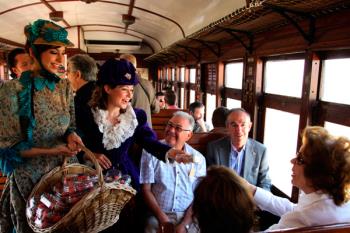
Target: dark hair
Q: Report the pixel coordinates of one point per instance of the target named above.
(99, 98)
(170, 97)
(222, 202)
(160, 93)
(194, 105)
(327, 162)
(11, 59)
(219, 117)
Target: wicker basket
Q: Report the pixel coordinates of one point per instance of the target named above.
(96, 211)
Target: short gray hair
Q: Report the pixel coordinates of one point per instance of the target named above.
(237, 110)
(186, 116)
(86, 65)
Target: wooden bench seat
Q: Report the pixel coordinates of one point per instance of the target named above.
(159, 120)
(199, 141)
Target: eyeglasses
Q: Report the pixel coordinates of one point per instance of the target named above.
(177, 128)
(300, 159)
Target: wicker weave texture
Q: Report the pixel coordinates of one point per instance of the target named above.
(96, 211)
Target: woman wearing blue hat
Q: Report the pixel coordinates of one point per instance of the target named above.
(36, 122)
(113, 126)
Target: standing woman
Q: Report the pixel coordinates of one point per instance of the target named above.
(113, 126)
(36, 122)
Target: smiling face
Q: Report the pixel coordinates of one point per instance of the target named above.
(119, 96)
(52, 59)
(178, 131)
(298, 176)
(239, 125)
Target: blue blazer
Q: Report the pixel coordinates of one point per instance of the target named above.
(255, 162)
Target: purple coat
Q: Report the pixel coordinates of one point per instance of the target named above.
(144, 136)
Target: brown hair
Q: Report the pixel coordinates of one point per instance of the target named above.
(222, 202)
(327, 163)
(99, 98)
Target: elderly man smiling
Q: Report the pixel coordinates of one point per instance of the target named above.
(168, 187)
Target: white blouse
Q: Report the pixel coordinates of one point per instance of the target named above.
(115, 135)
(312, 209)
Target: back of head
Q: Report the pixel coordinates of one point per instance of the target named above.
(227, 207)
(129, 57)
(219, 117)
(86, 65)
(194, 105)
(327, 163)
(170, 97)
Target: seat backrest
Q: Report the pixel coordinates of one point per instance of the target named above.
(159, 120)
(333, 228)
(199, 141)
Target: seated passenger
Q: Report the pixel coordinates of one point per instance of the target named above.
(168, 188)
(222, 202)
(161, 99)
(18, 61)
(197, 111)
(321, 169)
(219, 119)
(170, 99)
(244, 155)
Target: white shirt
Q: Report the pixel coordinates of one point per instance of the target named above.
(312, 209)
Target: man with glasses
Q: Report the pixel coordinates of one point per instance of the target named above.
(168, 187)
(242, 154)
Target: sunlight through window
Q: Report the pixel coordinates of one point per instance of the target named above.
(234, 75)
(280, 138)
(337, 130)
(284, 77)
(335, 81)
(233, 103)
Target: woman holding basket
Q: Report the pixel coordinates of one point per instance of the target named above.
(36, 122)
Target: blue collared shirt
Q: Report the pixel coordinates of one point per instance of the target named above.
(172, 184)
(236, 159)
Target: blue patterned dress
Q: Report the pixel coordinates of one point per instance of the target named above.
(53, 118)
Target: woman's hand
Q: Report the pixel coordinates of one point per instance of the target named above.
(179, 156)
(74, 142)
(104, 162)
(62, 150)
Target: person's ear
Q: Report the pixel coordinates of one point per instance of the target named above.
(78, 74)
(189, 135)
(107, 88)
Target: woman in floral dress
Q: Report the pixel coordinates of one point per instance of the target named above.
(36, 122)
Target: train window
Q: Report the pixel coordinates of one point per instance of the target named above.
(232, 103)
(284, 77)
(336, 129)
(182, 101)
(172, 74)
(234, 75)
(193, 75)
(335, 81)
(280, 152)
(182, 74)
(192, 96)
(210, 107)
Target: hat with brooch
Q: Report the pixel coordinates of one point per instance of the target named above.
(117, 72)
(44, 32)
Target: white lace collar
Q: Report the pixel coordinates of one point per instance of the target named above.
(114, 136)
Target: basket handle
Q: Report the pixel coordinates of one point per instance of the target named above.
(94, 161)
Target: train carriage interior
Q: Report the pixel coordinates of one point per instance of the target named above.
(287, 62)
